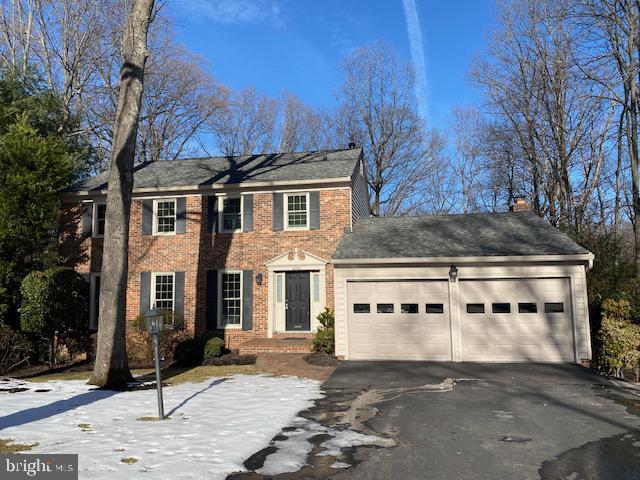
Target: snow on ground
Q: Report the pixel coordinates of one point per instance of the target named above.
(214, 425)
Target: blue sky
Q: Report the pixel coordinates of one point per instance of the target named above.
(296, 46)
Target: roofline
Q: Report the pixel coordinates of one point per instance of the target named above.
(576, 258)
(206, 188)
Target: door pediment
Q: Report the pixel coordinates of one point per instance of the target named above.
(296, 259)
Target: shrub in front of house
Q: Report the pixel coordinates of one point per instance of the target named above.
(189, 353)
(325, 339)
(618, 340)
(214, 348)
(55, 307)
(15, 349)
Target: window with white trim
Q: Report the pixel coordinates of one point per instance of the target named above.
(231, 298)
(99, 215)
(297, 210)
(316, 287)
(163, 291)
(164, 216)
(230, 214)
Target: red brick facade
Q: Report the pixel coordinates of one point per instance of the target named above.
(197, 251)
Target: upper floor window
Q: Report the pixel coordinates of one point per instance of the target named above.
(164, 217)
(297, 210)
(231, 214)
(163, 291)
(98, 218)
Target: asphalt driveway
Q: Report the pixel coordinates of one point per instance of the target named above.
(500, 421)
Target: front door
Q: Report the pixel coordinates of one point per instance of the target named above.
(297, 301)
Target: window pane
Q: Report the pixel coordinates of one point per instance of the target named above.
(279, 288)
(166, 216)
(316, 287)
(385, 308)
(409, 308)
(100, 216)
(231, 300)
(361, 308)
(554, 307)
(435, 308)
(501, 307)
(475, 307)
(527, 308)
(231, 214)
(164, 292)
(297, 210)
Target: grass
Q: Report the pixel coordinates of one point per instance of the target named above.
(129, 460)
(170, 376)
(7, 446)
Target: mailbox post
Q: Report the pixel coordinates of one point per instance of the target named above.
(154, 321)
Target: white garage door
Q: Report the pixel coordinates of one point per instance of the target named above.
(398, 320)
(516, 320)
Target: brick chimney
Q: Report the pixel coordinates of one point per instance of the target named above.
(520, 205)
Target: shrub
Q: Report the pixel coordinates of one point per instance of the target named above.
(213, 348)
(140, 345)
(55, 307)
(171, 321)
(324, 339)
(189, 353)
(15, 349)
(618, 339)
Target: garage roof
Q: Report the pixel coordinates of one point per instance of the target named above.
(193, 173)
(476, 235)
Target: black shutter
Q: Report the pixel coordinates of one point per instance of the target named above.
(178, 302)
(181, 215)
(314, 210)
(212, 214)
(211, 300)
(278, 216)
(147, 217)
(87, 219)
(247, 213)
(247, 299)
(145, 292)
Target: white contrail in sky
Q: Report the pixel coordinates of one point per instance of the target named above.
(416, 45)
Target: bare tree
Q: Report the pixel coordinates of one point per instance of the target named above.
(111, 366)
(377, 110)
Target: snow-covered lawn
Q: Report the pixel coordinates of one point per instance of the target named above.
(214, 425)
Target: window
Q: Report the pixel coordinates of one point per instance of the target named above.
(296, 210)
(316, 287)
(279, 280)
(361, 308)
(501, 307)
(99, 216)
(554, 307)
(231, 214)
(409, 308)
(527, 308)
(435, 308)
(475, 307)
(231, 298)
(94, 298)
(162, 294)
(164, 217)
(385, 308)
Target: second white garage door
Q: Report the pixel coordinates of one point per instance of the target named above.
(399, 320)
(516, 320)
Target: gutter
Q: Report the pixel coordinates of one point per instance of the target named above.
(577, 258)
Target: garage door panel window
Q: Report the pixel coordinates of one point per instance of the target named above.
(501, 308)
(475, 307)
(434, 308)
(361, 308)
(527, 308)
(409, 308)
(384, 308)
(554, 307)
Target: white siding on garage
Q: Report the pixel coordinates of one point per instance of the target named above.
(389, 320)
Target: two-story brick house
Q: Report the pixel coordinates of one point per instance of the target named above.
(239, 247)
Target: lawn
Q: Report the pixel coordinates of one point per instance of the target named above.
(218, 417)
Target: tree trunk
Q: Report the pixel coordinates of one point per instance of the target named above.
(111, 366)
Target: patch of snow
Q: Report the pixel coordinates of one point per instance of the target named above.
(339, 465)
(213, 426)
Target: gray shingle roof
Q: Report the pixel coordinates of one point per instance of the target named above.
(321, 165)
(490, 234)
